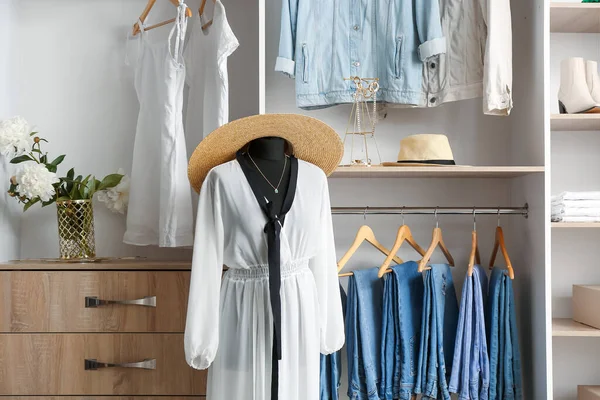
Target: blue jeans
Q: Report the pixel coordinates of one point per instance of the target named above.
(470, 367)
(501, 325)
(363, 334)
(402, 313)
(331, 367)
(438, 333)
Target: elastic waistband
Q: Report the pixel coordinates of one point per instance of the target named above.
(262, 271)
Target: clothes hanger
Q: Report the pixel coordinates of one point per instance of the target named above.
(500, 244)
(149, 5)
(404, 234)
(474, 257)
(201, 12)
(436, 240)
(365, 233)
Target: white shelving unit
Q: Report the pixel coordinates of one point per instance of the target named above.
(435, 172)
(574, 31)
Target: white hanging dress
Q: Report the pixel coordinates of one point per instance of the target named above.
(160, 203)
(229, 323)
(206, 54)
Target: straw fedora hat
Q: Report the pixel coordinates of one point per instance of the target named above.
(310, 139)
(424, 150)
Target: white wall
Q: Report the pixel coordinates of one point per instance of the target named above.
(72, 82)
(9, 210)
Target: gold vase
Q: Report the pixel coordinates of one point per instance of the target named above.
(76, 229)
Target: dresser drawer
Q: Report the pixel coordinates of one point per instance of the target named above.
(55, 301)
(55, 364)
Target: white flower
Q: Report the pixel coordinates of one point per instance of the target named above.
(35, 180)
(117, 198)
(15, 137)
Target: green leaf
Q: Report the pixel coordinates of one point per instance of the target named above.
(58, 160)
(91, 187)
(74, 193)
(71, 173)
(51, 168)
(33, 134)
(110, 181)
(63, 198)
(44, 159)
(21, 159)
(47, 203)
(83, 187)
(36, 151)
(30, 203)
(79, 178)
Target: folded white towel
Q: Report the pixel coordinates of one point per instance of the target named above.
(576, 196)
(575, 211)
(577, 203)
(574, 219)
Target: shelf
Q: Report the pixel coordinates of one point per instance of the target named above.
(575, 122)
(576, 225)
(575, 17)
(434, 172)
(566, 327)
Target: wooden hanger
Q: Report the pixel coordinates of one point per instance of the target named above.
(500, 244)
(136, 26)
(474, 257)
(436, 240)
(404, 234)
(365, 233)
(201, 12)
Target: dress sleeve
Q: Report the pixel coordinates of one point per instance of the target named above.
(287, 38)
(324, 269)
(202, 325)
(429, 28)
(497, 65)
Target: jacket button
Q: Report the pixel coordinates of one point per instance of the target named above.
(432, 65)
(356, 27)
(356, 64)
(432, 100)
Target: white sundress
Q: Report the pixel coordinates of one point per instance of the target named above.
(229, 324)
(160, 202)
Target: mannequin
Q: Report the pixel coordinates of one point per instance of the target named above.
(269, 155)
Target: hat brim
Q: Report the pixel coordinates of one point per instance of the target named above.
(312, 140)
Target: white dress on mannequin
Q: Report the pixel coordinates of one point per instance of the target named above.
(160, 203)
(206, 56)
(229, 324)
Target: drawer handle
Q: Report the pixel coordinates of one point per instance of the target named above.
(93, 301)
(93, 364)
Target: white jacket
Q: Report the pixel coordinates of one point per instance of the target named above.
(478, 60)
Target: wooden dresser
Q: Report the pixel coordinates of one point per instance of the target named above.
(94, 330)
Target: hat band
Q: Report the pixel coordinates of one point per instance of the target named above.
(438, 162)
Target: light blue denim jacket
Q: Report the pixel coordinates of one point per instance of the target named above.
(324, 41)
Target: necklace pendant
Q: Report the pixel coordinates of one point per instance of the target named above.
(276, 191)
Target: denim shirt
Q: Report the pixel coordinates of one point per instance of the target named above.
(324, 41)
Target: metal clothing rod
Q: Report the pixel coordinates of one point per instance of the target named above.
(408, 210)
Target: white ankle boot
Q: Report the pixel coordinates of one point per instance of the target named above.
(592, 79)
(574, 94)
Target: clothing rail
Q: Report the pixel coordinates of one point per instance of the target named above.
(408, 210)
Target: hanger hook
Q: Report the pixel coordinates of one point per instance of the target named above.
(403, 214)
(435, 215)
(474, 220)
(365, 213)
(498, 216)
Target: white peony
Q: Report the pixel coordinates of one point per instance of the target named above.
(116, 198)
(15, 137)
(35, 180)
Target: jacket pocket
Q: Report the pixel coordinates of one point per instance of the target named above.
(304, 63)
(398, 58)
